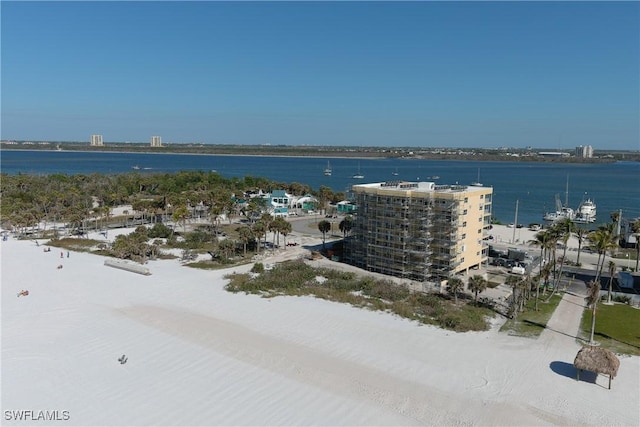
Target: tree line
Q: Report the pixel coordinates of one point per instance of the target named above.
(78, 200)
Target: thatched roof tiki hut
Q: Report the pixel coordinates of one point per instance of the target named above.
(598, 360)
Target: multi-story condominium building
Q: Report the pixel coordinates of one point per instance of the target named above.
(419, 230)
(585, 152)
(96, 140)
(156, 141)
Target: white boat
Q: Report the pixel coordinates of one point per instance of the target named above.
(135, 167)
(561, 212)
(395, 173)
(327, 171)
(359, 174)
(586, 212)
(477, 183)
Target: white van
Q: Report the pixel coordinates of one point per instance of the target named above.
(518, 270)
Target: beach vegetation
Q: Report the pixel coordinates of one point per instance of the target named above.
(295, 278)
(454, 286)
(258, 268)
(531, 322)
(74, 244)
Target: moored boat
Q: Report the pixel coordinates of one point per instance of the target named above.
(359, 174)
(477, 183)
(327, 170)
(561, 212)
(586, 212)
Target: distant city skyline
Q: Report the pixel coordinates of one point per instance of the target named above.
(553, 75)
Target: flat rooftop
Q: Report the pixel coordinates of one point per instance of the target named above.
(419, 186)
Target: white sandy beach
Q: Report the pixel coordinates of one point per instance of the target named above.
(198, 355)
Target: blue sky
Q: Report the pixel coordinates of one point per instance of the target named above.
(419, 74)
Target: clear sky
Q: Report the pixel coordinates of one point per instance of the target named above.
(419, 74)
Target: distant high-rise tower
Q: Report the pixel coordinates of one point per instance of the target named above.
(585, 152)
(156, 141)
(96, 140)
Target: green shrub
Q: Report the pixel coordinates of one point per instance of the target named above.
(159, 230)
(258, 267)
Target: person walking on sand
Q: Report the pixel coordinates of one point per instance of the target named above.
(61, 254)
(67, 254)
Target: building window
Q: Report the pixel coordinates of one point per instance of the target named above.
(464, 212)
(464, 224)
(464, 236)
(466, 200)
(479, 230)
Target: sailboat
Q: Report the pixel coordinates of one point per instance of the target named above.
(562, 211)
(327, 171)
(477, 183)
(359, 174)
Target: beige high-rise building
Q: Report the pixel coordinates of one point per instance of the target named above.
(96, 140)
(156, 141)
(419, 230)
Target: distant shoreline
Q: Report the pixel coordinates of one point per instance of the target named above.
(300, 152)
(172, 153)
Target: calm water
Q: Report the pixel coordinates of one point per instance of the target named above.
(534, 185)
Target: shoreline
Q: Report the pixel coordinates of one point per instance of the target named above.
(358, 155)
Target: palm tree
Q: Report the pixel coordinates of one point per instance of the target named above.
(324, 226)
(180, 215)
(477, 284)
(245, 234)
(602, 240)
(273, 228)
(259, 230)
(545, 273)
(227, 246)
(514, 282)
(540, 239)
(565, 228)
(324, 195)
(592, 298)
(635, 228)
(525, 285)
(612, 272)
(266, 219)
(285, 229)
(346, 225)
(455, 285)
(581, 235)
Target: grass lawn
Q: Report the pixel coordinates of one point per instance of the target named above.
(617, 328)
(531, 323)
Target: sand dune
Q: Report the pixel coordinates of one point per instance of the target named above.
(198, 355)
